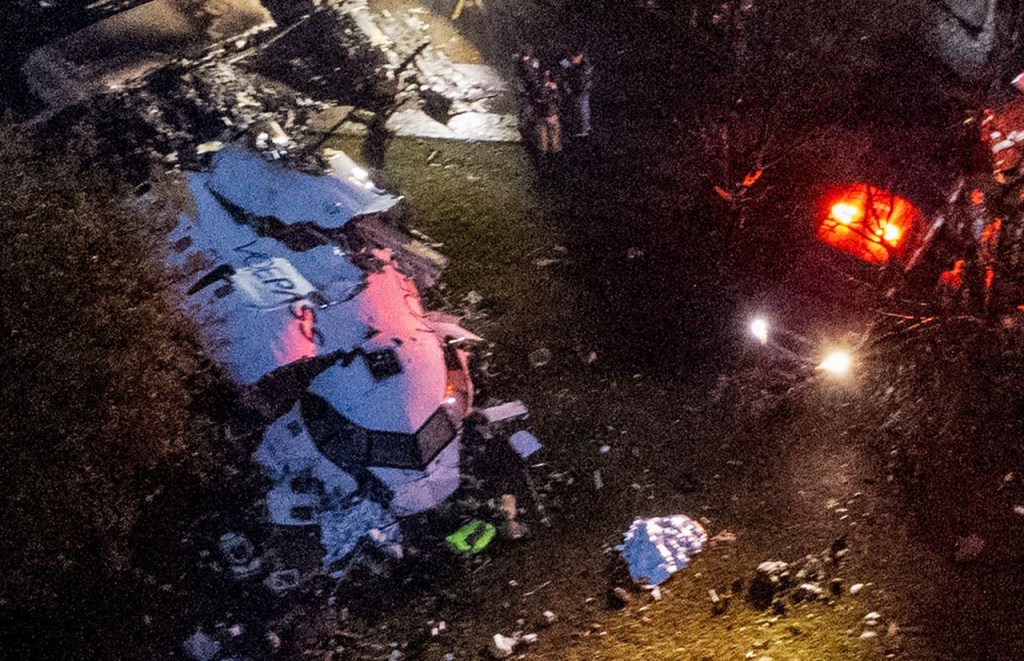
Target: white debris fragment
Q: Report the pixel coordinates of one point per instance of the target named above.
(342, 529)
(549, 617)
(524, 443)
(856, 588)
(505, 411)
(502, 646)
(210, 147)
(201, 647)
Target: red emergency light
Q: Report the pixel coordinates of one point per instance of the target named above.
(870, 223)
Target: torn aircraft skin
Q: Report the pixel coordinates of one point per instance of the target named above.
(379, 417)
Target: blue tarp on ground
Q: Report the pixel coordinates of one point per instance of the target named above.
(656, 548)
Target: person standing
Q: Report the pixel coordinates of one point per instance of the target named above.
(577, 76)
(528, 74)
(548, 123)
(528, 71)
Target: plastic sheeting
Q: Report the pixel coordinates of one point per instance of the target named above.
(656, 548)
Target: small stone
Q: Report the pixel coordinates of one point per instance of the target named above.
(872, 616)
(549, 618)
(856, 588)
(969, 548)
(807, 591)
(868, 634)
(718, 604)
(540, 357)
(283, 580)
(619, 597)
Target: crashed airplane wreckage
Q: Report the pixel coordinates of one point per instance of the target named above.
(365, 392)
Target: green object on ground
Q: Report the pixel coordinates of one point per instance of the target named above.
(472, 537)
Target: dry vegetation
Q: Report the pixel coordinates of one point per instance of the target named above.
(98, 366)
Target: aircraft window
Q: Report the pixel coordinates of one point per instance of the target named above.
(435, 434)
(393, 449)
(336, 436)
(383, 363)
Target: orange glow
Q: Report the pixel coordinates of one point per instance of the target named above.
(752, 178)
(869, 223)
(845, 213)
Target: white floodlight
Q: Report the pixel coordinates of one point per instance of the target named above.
(759, 329)
(837, 362)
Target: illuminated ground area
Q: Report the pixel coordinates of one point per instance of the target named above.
(776, 481)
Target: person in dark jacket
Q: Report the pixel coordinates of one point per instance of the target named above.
(528, 72)
(528, 75)
(577, 75)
